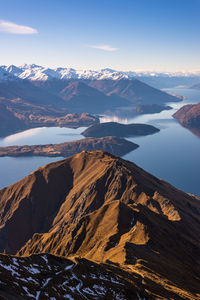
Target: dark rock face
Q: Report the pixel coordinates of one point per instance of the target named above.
(114, 145)
(105, 209)
(189, 117)
(120, 130)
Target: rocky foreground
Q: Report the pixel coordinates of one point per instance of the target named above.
(47, 277)
(139, 234)
(114, 145)
(120, 130)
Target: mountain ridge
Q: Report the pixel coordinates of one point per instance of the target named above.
(102, 208)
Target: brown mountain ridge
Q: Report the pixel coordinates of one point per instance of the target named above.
(100, 207)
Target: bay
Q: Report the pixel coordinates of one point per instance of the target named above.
(172, 154)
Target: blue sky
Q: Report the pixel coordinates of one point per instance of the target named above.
(158, 35)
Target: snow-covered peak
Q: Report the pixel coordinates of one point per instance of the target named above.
(6, 75)
(40, 73)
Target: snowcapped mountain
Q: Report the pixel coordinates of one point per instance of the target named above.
(35, 72)
(6, 75)
(40, 73)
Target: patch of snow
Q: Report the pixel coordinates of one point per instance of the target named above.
(11, 269)
(45, 259)
(32, 270)
(27, 291)
(22, 279)
(37, 295)
(93, 276)
(103, 278)
(132, 222)
(46, 282)
(68, 267)
(31, 279)
(15, 261)
(89, 291)
(69, 297)
(114, 280)
(99, 289)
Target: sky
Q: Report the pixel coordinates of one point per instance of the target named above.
(127, 35)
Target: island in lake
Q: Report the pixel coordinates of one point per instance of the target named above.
(114, 145)
(120, 130)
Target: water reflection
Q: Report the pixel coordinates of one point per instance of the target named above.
(43, 135)
(195, 131)
(14, 138)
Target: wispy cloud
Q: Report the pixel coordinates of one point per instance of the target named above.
(13, 28)
(103, 47)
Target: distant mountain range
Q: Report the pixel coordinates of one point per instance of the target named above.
(31, 92)
(80, 95)
(40, 73)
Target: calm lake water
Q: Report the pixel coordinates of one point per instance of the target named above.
(13, 169)
(172, 154)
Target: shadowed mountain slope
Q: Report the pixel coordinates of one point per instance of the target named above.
(28, 92)
(80, 97)
(106, 209)
(134, 90)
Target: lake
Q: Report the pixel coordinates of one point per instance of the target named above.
(172, 154)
